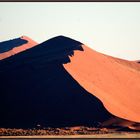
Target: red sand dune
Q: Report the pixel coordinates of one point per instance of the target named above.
(114, 81)
(18, 49)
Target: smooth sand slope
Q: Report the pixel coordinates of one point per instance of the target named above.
(18, 45)
(114, 81)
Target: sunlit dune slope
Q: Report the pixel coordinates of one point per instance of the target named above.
(114, 81)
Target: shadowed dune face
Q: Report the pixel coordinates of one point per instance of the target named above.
(12, 47)
(9, 45)
(57, 49)
(36, 89)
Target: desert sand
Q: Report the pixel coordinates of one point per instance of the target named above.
(69, 81)
(114, 81)
(30, 43)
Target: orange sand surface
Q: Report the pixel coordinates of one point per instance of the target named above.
(114, 81)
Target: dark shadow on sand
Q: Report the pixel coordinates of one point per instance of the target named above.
(36, 89)
(9, 45)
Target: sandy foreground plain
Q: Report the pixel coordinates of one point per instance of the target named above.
(115, 135)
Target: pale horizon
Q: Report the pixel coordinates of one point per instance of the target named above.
(107, 27)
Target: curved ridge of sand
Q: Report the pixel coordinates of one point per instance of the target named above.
(114, 81)
(20, 48)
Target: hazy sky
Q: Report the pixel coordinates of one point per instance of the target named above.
(110, 28)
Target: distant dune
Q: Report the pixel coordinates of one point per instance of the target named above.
(12, 47)
(62, 82)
